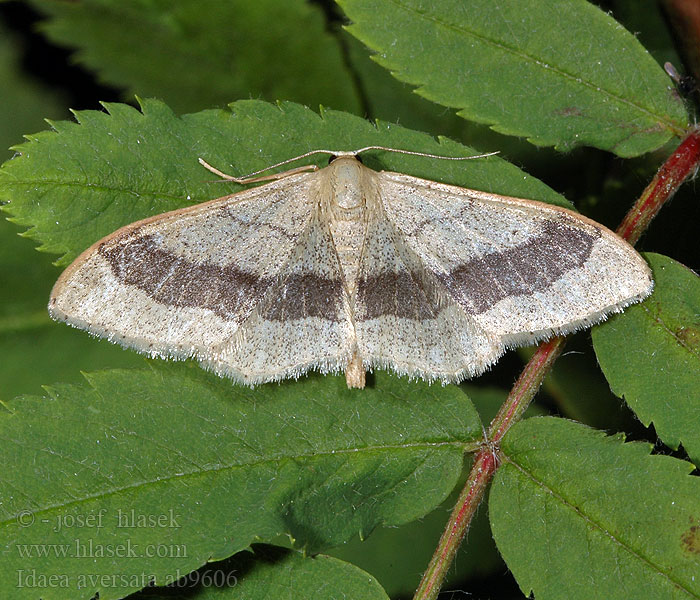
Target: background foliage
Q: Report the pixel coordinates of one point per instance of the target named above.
(310, 465)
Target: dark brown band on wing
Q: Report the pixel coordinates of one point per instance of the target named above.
(401, 294)
(522, 270)
(482, 282)
(225, 290)
(305, 295)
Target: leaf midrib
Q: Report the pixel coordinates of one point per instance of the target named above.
(658, 320)
(230, 467)
(533, 60)
(565, 502)
(100, 188)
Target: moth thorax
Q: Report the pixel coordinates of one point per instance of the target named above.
(348, 214)
(346, 182)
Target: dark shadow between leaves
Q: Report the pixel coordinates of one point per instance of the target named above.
(222, 574)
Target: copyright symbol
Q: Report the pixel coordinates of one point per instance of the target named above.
(25, 518)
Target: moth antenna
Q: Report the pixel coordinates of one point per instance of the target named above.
(425, 154)
(253, 177)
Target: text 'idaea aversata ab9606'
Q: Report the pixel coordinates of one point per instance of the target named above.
(347, 269)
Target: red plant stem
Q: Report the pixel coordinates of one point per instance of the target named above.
(525, 387)
(485, 464)
(469, 499)
(679, 166)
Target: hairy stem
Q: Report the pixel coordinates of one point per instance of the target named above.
(678, 167)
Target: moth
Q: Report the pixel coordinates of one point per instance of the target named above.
(349, 269)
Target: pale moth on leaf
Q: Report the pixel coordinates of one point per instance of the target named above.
(348, 269)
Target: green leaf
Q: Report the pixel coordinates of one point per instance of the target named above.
(559, 72)
(394, 101)
(181, 464)
(287, 575)
(83, 181)
(200, 53)
(273, 572)
(577, 514)
(650, 355)
(387, 98)
(34, 349)
(397, 557)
